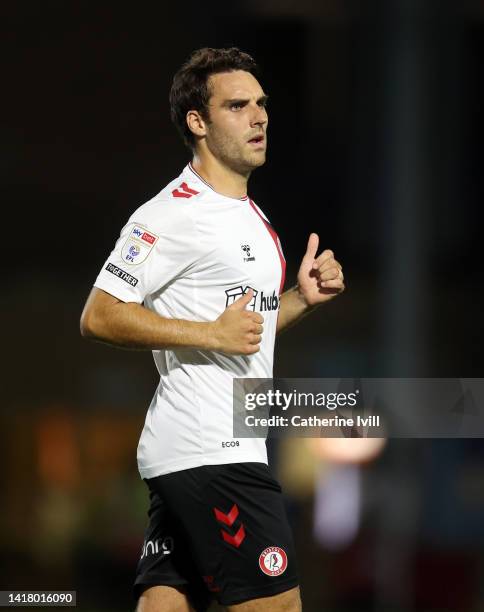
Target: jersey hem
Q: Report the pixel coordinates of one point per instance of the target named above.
(160, 469)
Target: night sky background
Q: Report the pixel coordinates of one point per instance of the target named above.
(375, 143)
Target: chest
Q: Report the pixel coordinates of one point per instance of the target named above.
(242, 247)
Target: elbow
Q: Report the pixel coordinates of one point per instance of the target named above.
(87, 325)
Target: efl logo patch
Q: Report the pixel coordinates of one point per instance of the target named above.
(273, 561)
(149, 238)
(138, 246)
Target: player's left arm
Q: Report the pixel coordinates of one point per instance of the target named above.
(320, 279)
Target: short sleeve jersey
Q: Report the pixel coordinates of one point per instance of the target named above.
(188, 253)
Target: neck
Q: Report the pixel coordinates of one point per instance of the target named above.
(222, 179)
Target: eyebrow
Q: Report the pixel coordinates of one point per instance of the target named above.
(262, 99)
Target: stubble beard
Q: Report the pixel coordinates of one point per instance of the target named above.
(232, 155)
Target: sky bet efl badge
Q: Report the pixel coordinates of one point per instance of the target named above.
(138, 245)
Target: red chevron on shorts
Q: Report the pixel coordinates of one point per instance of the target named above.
(229, 519)
(235, 540)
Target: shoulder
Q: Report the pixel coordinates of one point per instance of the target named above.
(173, 209)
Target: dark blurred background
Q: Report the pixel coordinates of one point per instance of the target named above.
(376, 135)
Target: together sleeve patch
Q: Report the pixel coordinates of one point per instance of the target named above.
(131, 280)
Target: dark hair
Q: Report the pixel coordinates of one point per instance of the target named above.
(189, 90)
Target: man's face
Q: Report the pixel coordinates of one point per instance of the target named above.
(236, 129)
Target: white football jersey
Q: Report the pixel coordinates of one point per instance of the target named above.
(188, 253)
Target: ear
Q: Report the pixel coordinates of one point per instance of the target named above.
(196, 123)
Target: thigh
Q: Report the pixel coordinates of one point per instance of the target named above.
(163, 563)
(164, 599)
(234, 519)
(289, 601)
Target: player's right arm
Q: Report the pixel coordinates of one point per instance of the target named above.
(130, 325)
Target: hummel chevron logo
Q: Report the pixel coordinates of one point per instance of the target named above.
(229, 519)
(235, 540)
(185, 192)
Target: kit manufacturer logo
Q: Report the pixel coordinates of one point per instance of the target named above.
(246, 249)
(233, 535)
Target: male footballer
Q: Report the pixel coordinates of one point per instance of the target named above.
(197, 277)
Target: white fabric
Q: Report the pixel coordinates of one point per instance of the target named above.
(187, 256)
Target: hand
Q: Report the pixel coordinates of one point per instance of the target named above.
(238, 331)
(319, 278)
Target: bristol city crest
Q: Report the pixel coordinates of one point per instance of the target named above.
(273, 561)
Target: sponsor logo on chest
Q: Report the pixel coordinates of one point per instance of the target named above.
(262, 302)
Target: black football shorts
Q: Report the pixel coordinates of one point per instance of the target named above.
(220, 531)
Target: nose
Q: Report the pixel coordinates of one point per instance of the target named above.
(258, 116)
